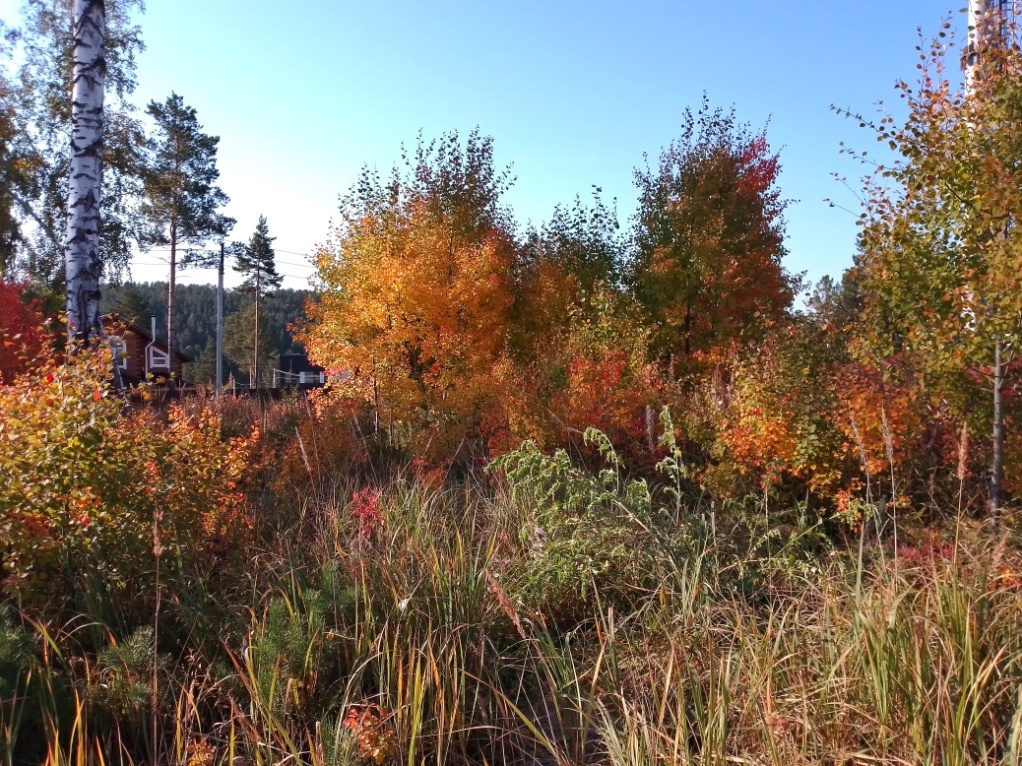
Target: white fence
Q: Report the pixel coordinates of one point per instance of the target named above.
(284, 379)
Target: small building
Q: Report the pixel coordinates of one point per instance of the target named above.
(296, 371)
(139, 353)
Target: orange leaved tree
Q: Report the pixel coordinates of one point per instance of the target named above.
(593, 371)
(417, 290)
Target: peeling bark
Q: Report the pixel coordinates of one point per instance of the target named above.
(81, 243)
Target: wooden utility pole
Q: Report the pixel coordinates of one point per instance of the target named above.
(219, 386)
(255, 346)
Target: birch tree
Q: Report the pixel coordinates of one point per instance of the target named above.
(35, 163)
(940, 242)
(81, 241)
(418, 288)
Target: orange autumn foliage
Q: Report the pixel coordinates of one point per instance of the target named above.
(771, 411)
(880, 417)
(413, 323)
(93, 487)
(592, 372)
(418, 289)
(324, 443)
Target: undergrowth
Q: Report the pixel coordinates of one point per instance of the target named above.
(537, 613)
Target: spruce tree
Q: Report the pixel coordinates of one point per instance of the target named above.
(257, 263)
(130, 304)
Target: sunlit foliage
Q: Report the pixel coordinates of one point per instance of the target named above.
(92, 492)
(417, 290)
(710, 238)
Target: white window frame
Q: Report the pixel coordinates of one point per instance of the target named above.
(119, 349)
(158, 359)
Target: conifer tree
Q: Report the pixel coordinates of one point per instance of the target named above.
(182, 200)
(257, 262)
(244, 341)
(130, 304)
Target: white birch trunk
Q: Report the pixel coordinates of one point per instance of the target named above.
(81, 242)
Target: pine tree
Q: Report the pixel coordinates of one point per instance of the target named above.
(182, 200)
(257, 263)
(130, 304)
(248, 340)
(11, 174)
(202, 371)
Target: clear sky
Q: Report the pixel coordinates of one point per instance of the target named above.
(302, 94)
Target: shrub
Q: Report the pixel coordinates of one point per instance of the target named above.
(23, 335)
(588, 538)
(93, 492)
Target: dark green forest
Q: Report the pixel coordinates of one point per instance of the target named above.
(196, 322)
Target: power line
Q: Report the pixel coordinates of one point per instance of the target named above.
(285, 263)
(184, 248)
(191, 266)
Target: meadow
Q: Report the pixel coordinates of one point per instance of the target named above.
(293, 589)
(575, 493)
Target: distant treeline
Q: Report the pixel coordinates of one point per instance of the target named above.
(195, 329)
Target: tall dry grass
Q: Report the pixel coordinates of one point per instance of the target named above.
(563, 619)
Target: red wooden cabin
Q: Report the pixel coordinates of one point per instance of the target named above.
(139, 353)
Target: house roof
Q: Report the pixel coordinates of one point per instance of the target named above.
(114, 321)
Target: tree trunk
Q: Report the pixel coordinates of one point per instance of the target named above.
(219, 386)
(171, 291)
(84, 265)
(255, 346)
(997, 466)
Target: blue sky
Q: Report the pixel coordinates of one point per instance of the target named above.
(303, 94)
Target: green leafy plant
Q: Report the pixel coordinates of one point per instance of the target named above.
(94, 493)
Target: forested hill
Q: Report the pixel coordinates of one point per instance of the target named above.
(196, 311)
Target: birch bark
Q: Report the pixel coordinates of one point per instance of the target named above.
(81, 242)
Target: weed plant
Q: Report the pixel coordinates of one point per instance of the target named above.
(540, 613)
